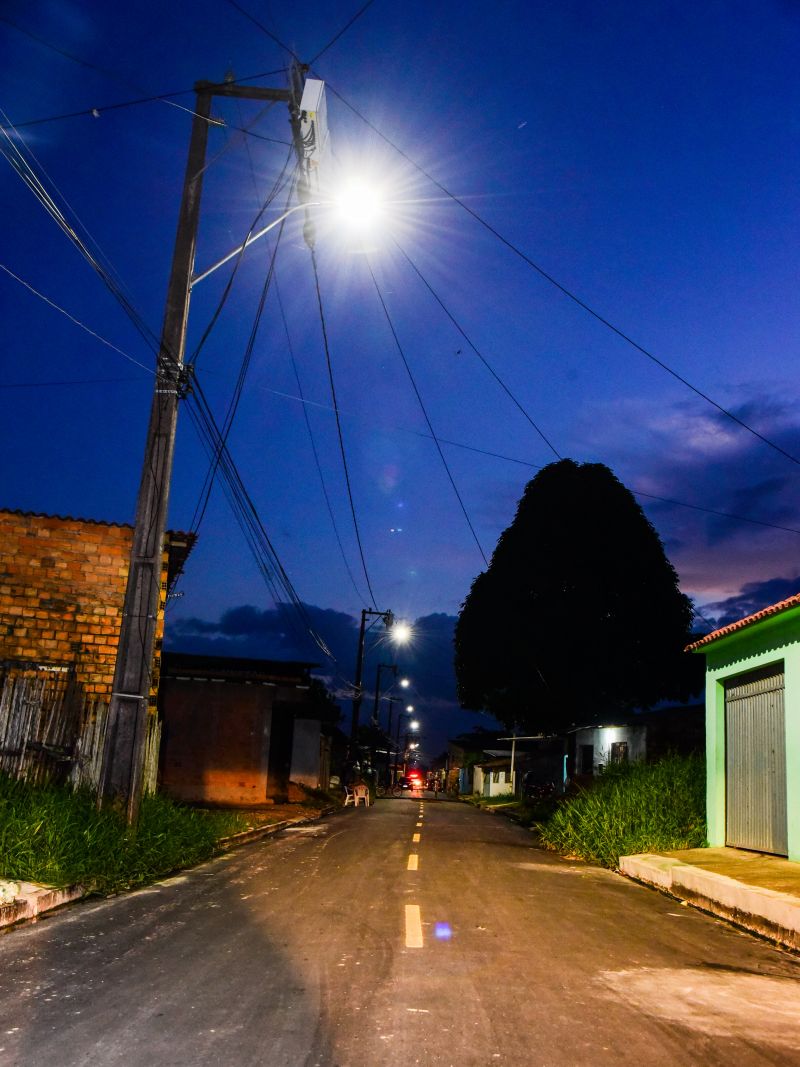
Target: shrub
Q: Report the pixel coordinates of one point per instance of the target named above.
(632, 807)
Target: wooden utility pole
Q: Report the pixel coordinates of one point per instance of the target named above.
(136, 672)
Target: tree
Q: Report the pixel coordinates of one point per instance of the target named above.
(579, 611)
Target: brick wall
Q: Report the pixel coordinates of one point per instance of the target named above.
(62, 584)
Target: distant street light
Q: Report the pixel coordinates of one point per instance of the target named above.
(399, 633)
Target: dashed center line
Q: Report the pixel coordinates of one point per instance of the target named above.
(415, 838)
(419, 823)
(413, 926)
(413, 862)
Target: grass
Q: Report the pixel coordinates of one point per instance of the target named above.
(57, 837)
(632, 807)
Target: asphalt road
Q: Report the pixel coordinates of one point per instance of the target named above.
(321, 948)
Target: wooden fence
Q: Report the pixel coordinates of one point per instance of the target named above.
(50, 731)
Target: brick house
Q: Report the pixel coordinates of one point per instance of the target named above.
(62, 587)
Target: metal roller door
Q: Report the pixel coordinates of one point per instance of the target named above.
(755, 762)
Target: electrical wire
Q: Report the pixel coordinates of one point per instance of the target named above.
(425, 413)
(314, 450)
(165, 98)
(480, 356)
(341, 32)
(339, 428)
(96, 112)
(77, 322)
(16, 157)
(533, 466)
(276, 189)
(248, 518)
(563, 289)
(233, 404)
(264, 29)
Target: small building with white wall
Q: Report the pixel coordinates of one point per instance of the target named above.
(492, 775)
(753, 731)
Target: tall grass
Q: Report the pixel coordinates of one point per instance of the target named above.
(54, 836)
(633, 807)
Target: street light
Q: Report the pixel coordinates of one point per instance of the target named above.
(398, 633)
(131, 712)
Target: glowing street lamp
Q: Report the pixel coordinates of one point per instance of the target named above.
(398, 632)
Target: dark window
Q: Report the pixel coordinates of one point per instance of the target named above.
(619, 751)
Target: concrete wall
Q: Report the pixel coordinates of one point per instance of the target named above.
(772, 641)
(215, 741)
(306, 753)
(602, 737)
(491, 788)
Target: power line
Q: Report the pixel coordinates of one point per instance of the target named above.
(474, 348)
(17, 159)
(562, 288)
(82, 325)
(247, 516)
(264, 29)
(96, 112)
(527, 463)
(341, 32)
(339, 427)
(278, 185)
(233, 405)
(425, 413)
(314, 450)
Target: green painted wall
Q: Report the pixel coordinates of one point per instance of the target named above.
(771, 641)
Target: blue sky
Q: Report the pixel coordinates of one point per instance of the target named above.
(643, 154)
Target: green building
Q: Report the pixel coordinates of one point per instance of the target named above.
(753, 731)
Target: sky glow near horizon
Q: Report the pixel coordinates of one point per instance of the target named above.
(643, 154)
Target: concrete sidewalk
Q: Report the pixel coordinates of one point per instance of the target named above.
(753, 890)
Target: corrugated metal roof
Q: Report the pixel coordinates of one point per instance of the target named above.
(773, 609)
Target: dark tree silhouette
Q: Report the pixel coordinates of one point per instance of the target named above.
(579, 611)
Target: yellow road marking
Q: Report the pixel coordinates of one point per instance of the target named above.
(413, 926)
(419, 823)
(415, 838)
(413, 862)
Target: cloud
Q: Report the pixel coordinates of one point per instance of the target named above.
(274, 633)
(690, 454)
(752, 598)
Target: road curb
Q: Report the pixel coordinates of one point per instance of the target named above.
(32, 900)
(766, 912)
(244, 837)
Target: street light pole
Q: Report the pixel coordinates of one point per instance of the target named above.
(135, 685)
(358, 689)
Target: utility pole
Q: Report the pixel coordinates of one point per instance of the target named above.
(135, 684)
(358, 688)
